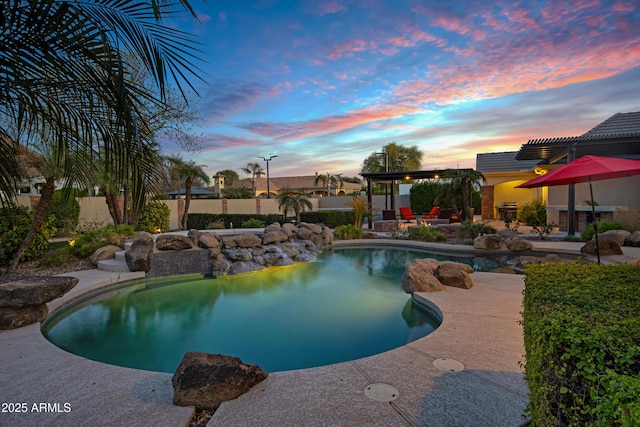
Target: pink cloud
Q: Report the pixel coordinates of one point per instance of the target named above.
(331, 7)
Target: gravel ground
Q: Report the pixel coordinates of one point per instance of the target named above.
(32, 268)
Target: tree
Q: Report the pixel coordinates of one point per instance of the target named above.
(461, 183)
(394, 158)
(230, 176)
(66, 84)
(328, 180)
(188, 171)
(254, 170)
(294, 202)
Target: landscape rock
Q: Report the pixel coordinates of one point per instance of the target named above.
(276, 236)
(208, 241)
(489, 242)
(305, 233)
(315, 228)
(632, 239)
(34, 291)
(635, 262)
(140, 255)
(419, 277)
(327, 236)
(220, 266)
(552, 259)
(617, 236)
(244, 267)
(238, 254)
(17, 317)
(370, 235)
(173, 242)
(290, 227)
(516, 244)
(103, 253)
(454, 274)
(272, 227)
(607, 247)
(242, 241)
(206, 380)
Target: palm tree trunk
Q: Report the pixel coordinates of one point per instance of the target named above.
(111, 198)
(46, 196)
(187, 201)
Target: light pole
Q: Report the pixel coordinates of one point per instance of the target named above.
(271, 157)
(386, 169)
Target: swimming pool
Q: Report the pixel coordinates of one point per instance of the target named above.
(347, 305)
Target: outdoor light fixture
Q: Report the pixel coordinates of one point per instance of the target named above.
(268, 159)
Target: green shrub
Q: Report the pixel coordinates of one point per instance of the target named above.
(252, 223)
(86, 244)
(331, 219)
(204, 221)
(154, 217)
(427, 234)
(472, 229)
(15, 222)
(588, 232)
(65, 212)
(582, 340)
(349, 231)
(533, 213)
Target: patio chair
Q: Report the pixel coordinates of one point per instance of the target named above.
(455, 218)
(445, 214)
(388, 215)
(433, 214)
(405, 213)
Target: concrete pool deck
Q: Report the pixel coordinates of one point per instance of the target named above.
(480, 334)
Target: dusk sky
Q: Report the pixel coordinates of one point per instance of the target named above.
(323, 84)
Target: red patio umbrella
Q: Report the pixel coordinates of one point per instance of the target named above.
(587, 169)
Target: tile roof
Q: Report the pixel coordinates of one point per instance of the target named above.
(502, 162)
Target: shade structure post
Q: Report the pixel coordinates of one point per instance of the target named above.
(595, 222)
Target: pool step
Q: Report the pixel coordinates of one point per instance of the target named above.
(117, 264)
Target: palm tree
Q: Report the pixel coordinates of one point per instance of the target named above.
(329, 180)
(187, 170)
(461, 183)
(254, 170)
(67, 83)
(296, 202)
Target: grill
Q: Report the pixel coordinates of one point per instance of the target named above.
(508, 211)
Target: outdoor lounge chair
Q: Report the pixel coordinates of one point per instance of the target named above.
(445, 214)
(405, 213)
(433, 214)
(388, 215)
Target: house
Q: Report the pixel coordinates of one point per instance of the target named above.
(618, 136)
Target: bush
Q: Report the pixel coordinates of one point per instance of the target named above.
(252, 223)
(472, 229)
(204, 221)
(588, 232)
(65, 212)
(15, 223)
(331, 219)
(86, 244)
(154, 217)
(427, 234)
(533, 213)
(582, 342)
(349, 231)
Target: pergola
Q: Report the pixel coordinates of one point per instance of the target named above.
(392, 178)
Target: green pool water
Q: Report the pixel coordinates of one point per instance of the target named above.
(347, 305)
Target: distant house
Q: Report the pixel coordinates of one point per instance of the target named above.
(618, 136)
(196, 193)
(297, 184)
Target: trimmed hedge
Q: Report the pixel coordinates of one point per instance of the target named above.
(200, 221)
(331, 219)
(582, 341)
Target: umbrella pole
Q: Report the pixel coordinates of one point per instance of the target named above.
(595, 223)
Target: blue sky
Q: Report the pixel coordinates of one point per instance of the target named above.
(323, 84)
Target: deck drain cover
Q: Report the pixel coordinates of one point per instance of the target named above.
(451, 365)
(381, 392)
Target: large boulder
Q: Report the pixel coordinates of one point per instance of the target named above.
(206, 380)
(104, 253)
(244, 267)
(238, 254)
(276, 236)
(242, 241)
(17, 317)
(327, 236)
(305, 233)
(33, 291)
(139, 256)
(289, 228)
(632, 239)
(315, 228)
(208, 241)
(454, 274)
(272, 227)
(607, 247)
(220, 266)
(516, 244)
(419, 277)
(489, 242)
(617, 236)
(194, 235)
(173, 242)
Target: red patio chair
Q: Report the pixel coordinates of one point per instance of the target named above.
(405, 213)
(433, 214)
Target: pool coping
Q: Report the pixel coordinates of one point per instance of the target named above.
(480, 330)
